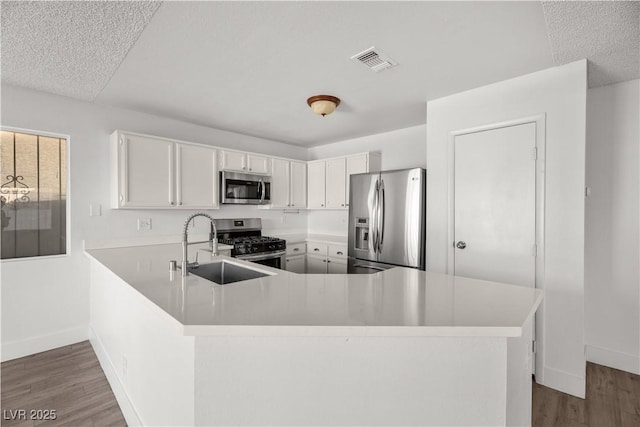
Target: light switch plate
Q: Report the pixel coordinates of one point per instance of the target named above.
(95, 209)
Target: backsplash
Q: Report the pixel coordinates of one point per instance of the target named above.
(328, 222)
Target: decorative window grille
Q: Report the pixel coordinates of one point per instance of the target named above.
(33, 193)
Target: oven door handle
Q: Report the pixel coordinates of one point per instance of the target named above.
(258, 257)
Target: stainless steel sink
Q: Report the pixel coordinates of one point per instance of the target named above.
(224, 272)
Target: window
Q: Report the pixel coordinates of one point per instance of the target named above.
(33, 195)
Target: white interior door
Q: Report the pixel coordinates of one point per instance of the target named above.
(495, 205)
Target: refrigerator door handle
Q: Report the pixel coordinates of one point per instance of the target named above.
(381, 215)
(375, 213)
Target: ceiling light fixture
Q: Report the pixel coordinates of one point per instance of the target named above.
(323, 104)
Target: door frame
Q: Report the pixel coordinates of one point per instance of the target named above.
(540, 125)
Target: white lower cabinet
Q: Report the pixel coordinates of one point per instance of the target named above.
(325, 258)
(296, 264)
(296, 260)
(316, 264)
(336, 266)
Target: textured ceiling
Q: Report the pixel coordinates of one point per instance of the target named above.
(69, 48)
(248, 67)
(605, 32)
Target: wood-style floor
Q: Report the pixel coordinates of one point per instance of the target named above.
(68, 380)
(612, 400)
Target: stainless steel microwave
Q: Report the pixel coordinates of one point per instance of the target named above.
(244, 189)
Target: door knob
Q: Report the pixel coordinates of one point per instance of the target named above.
(461, 245)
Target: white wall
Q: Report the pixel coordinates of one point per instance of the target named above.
(45, 303)
(560, 94)
(612, 234)
(400, 149)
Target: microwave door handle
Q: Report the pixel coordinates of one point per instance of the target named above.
(263, 189)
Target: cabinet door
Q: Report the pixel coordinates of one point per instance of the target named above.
(316, 265)
(355, 164)
(296, 264)
(335, 191)
(257, 164)
(233, 161)
(336, 266)
(316, 184)
(298, 187)
(280, 183)
(196, 177)
(146, 172)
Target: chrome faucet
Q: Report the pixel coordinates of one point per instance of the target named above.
(213, 241)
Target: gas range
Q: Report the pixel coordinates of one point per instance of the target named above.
(245, 235)
(254, 244)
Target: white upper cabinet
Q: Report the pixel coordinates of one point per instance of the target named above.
(329, 189)
(280, 183)
(158, 173)
(244, 162)
(288, 184)
(233, 161)
(316, 184)
(298, 187)
(144, 172)
(356, 164)
(196, 177)
(336, 187)
(257, 164)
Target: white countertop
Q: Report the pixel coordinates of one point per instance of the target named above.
(396, 302)
(292, 238)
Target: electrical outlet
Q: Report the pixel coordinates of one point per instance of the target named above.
(144, 223)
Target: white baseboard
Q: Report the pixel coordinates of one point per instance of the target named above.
(565, 382)
(613, 359)
(126, 406)
(15, 349)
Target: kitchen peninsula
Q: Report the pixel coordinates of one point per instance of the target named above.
(399, 347)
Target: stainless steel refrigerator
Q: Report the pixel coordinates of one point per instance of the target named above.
(387, 220)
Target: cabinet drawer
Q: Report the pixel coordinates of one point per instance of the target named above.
(296, 249)
(317, 248)
(337, 251)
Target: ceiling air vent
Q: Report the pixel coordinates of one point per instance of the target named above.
(374, 59)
